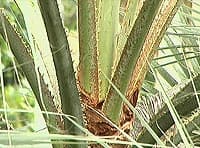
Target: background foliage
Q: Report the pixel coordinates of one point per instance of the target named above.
(168, 96)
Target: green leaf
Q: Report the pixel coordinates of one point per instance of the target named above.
(183, 99)
(21, 51)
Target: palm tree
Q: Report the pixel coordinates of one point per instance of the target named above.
(127, 50)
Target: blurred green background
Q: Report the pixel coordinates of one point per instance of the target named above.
(18, 94)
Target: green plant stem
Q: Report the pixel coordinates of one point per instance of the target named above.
(113, 104)
(88, 65)
(63, 64)
(108, 24)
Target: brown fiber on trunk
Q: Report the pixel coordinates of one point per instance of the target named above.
(99, 125)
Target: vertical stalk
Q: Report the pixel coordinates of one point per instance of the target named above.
(88, 66)
(131, 52)
(108, 24)
(131, 10)
(63, 65)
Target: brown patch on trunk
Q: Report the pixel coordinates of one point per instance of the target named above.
(95, 119)
(127, 117)
(99, 125)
